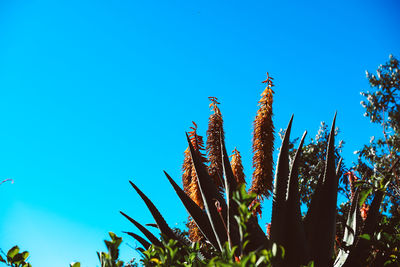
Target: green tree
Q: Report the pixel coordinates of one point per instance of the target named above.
(378, 162)
(380, 157)
(377, 166)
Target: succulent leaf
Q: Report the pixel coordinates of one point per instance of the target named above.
(161, 223)
(295, 240)
(360, 251)
(232, 207)
(140, 239)
(210, 197)
(154, 240)
(197, 214)
(349, 231)
(323, 226)
(280, 190)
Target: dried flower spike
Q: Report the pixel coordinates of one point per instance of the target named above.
(237, 167)
(263, 143)
(215, 134)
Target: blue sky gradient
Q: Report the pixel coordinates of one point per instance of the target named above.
(96, 93)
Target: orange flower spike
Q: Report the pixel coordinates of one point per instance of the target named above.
(263, 143)
(237, 167)
(195, 234)
(188, 172)
(215, 132)
(268, 80)
(189, 179)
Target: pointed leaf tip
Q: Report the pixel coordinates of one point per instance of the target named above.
(281, 189)
(288, 129)
(199, 216)
(146, 232)
(161, 223)
(334, 118)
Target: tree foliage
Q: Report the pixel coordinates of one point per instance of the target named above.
(379, 159)
(15, 258)
(376, 169)
(378, 162)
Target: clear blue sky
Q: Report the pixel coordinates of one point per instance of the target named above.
(96, 93)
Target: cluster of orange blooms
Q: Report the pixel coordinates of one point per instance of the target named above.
(263, 147)
(263, 143)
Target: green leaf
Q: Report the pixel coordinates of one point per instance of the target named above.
(140, 239)
(360, 183)
(161, 223)
(349, 231)
(113, 236)
(280, 192)
(232, 206)
(12, 252)
(154, 240)
(25, 255)
(18, 259)
(198, 215)
(75, 264)
(295, 239)
(370, 223)
(322, 224)
(364, 193)
(365, 236)
(383, 184)
(210, 195)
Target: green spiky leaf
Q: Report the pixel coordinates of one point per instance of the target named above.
(197, 214)
(154, 240)
(281, 190)
(161, 223)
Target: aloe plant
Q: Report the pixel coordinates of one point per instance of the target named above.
(305, 239)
